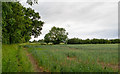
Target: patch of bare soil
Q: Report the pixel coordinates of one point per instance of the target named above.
(115, 67)
(104, 65)
(34, 63)
(71, 58)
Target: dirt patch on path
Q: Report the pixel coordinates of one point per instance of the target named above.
(34, 62)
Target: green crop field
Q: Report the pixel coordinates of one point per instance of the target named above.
(61, 58)
(76, 58)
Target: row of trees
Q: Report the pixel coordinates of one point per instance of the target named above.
(92, 41)
(59, 35)
(81, 41)
(19, 23)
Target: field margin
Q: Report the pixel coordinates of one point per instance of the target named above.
(1, 30)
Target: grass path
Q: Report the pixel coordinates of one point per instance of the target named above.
(14, 59)
(34, 62)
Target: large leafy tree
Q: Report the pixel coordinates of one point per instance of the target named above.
(19, 23)
(56, 35)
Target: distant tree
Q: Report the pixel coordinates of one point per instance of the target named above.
(108, 42)
(87, 41)
(73, 41)
(56, 35)
(47, 38)
(95, 41)
(41, 41)
(80, 41)
(115, 41)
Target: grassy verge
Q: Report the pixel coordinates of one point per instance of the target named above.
(14, 59)
(0, 57)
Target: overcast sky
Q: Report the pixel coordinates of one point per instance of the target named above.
(80, 19)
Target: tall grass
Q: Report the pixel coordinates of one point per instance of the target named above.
(0, 57)
(14, 59)
(76, 58)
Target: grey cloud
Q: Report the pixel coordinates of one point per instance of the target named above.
(80, 19)
(110, 33)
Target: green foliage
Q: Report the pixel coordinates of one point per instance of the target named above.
(19, 23)
(14, 59)
(73, 41)
(56, 35)
(31, 2)
(41, 41)
(76, 58)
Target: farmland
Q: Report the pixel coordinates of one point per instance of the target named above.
(76, 58)
(34, 40)
(61, 58)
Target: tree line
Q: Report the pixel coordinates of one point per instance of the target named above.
(83, 41)
(92, 41)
